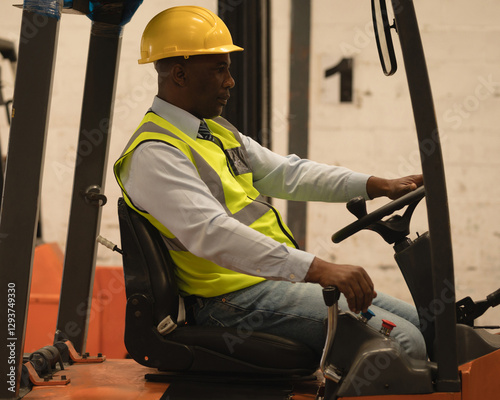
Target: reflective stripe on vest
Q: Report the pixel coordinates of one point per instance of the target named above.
(244, 203)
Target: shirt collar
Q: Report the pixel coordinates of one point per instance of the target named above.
(186, 122)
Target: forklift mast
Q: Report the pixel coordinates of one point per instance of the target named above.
(20, 207)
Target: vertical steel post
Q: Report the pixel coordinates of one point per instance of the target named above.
(8, 52)
(19, 212)
(298, 139)
(89, 179)
(249, 107)
(2, 168)
(436, 196)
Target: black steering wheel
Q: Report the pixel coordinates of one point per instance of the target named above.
(365, 221)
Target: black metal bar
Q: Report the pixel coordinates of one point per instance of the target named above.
(265, 76)
(249, 107)
(19, 212)
(298, 139)
(89, 177)
(2, 167)
(436, 196)
(81, 6)
(8, 51)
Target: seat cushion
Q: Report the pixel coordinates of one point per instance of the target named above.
(257, 348)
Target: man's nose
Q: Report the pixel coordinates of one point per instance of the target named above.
(229, 82)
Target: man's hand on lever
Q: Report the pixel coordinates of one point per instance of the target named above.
(352, 281)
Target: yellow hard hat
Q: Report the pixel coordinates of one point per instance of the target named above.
(185, 31)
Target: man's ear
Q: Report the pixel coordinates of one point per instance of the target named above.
(178, 73)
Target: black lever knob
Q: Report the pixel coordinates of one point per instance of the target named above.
(494, 298)
(331, 295)
(357, 207)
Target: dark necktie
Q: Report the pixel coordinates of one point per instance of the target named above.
(205, 134)
(204, 131)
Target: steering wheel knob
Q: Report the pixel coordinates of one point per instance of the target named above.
(357, 207)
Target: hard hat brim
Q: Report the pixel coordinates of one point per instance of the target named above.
(175, 53)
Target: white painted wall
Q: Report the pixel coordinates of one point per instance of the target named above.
(374, 134)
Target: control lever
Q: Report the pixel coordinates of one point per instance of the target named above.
(468, 310)
(366, 316)
(357, 207)
(493, 299)
(331, 296)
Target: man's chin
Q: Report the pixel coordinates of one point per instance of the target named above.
(216, 114)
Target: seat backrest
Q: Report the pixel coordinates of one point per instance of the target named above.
(147, 265)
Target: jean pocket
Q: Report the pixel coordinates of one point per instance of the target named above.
(215, 322)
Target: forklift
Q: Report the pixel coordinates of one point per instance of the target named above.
(172, 359)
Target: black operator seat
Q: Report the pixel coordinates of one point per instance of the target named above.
(154, 306)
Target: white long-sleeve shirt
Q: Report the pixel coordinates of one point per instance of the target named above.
(161, 180)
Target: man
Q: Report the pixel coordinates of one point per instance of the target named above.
(201, 183)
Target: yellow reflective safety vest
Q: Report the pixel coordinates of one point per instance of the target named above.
(227, 173)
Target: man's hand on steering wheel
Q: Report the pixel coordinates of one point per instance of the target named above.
(392, 188)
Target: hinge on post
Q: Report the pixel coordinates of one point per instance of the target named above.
(45, 380)
(85, 358)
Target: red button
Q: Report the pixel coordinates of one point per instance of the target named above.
(388, 325)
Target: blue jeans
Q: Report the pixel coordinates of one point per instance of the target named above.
(298, 311)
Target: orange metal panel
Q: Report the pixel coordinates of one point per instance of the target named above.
(44, 296)
(481, 378)
(112, 379)
(107, 317)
